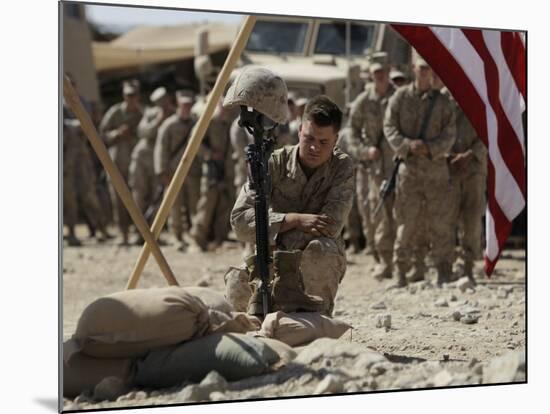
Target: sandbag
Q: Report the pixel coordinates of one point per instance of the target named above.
(130, 323)
(301, 327)
(237, 322)
(83, 373)
(286, 353)
(234, 356)
(237, 289)
(211, 298)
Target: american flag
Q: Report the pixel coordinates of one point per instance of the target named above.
(485, 71)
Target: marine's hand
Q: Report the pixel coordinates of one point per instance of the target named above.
(461, 160)
(165, 179)
(419, 148)
(315, 224)
(123, 131)
(373, 154)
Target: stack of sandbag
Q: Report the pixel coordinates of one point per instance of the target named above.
(127, 335)
(300, 328)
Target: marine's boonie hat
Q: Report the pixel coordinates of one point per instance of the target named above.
(158, 94)
(185, 96)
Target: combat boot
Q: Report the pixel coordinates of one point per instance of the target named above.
(469, 272)
(73, 241)
(416, 274)
(400, 272)
(288, 285)
(444, 271)
(255, 303)
(383, 270)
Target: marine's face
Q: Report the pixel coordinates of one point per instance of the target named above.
(423, 74)
(184, 109)
(132, 101)
(380, 76)
(316, 144)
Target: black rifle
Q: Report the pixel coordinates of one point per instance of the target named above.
(151, 210)
(388, 186)
(257, 157)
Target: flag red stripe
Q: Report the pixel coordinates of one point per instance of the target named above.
(502, 225)
(514, 53)
(508, 142)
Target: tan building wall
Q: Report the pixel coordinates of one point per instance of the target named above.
(77, 50)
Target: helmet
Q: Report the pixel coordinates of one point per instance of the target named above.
(261, 89)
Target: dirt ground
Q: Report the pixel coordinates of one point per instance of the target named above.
(438, 336)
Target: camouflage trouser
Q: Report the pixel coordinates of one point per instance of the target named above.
(384, 223)
(323, 264)
(87, 193)
(419, 195)
(185, 206)
(122, 217)
(70, 205)
(213, 210)
(143, 180)
(421, 244)
(468, 201)
(353, 224)
(362, 180)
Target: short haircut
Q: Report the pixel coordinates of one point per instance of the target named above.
(323, 112)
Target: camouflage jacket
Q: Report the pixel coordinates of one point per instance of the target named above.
(367, 126)
(172, 138)
(240, 138)
(217, 139)
(116, 116)
(150, 124)
(467, 139)
(403, 121)
(328, 191)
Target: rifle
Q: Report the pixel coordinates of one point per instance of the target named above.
(388, 186)
(152, 209)
(257, 157)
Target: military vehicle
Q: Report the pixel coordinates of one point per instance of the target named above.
(323, 56)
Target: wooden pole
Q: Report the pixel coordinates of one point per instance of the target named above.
(193, 145)
(73, 100)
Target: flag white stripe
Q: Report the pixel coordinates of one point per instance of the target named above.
(491, 250)
(510, 97)
(507, 191)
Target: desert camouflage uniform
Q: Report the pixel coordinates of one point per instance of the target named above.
(328, 191)
(217, 192)
(87, 186)
(84, 172)
(423, 181)
(120, 151)
(70, 159)
(171, 143)
(353, 222)
(468, 188)
(367, 123)
(143, 180)
(240, 138)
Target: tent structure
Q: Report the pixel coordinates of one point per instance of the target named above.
(146, 45)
